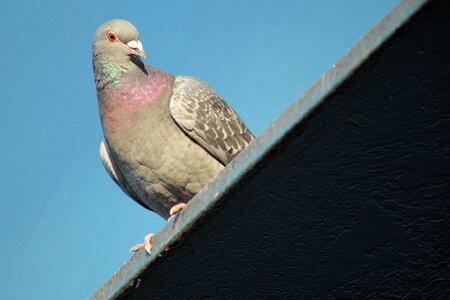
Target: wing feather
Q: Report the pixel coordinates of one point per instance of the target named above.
(207, 119)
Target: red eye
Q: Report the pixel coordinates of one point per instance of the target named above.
(111, 37)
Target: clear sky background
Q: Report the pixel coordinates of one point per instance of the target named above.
(65, 227)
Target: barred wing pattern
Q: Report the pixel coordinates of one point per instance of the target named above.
(207, 119)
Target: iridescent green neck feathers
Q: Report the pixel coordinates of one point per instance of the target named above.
(107, 73)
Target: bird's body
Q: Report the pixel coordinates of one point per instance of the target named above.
(166, 136)
(159, 163)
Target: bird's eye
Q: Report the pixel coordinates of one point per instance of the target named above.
(111, 36)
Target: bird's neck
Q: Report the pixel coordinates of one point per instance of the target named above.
(126, 92)
(108, 73)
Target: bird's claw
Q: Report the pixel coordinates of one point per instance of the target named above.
(176, 208)
(146, 244)
(136, 247)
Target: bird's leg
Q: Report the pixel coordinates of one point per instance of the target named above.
(146, 244)
(147, 239)
(176, 208)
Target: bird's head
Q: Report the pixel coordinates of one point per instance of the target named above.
(118, 40)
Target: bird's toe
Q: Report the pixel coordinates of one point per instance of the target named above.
(146, 244)
(176, 208)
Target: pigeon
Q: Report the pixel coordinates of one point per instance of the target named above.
(165, 136)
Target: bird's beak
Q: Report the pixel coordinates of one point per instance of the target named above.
(137, 48)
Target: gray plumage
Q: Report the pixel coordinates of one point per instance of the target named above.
(207, 119)
(166, 136)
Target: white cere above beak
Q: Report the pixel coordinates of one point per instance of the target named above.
(137, 47)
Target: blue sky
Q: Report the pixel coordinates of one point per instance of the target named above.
(65, 226)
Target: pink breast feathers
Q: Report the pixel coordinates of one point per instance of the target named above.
(123, 103)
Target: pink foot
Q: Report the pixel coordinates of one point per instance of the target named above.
(146, 244)
(176, 208)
